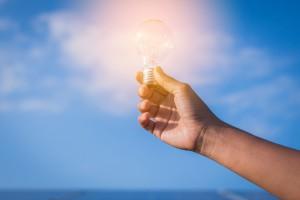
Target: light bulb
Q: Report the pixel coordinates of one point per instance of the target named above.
(154, 41)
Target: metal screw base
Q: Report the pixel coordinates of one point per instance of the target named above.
(148, 76)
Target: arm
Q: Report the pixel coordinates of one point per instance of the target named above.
(174, 113)
(271, 166)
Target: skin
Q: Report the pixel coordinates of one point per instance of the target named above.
(174, 113)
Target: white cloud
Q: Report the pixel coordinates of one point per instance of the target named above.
(259, 106)
(95, 41)
(10, 80)
(16, 91)
(6, 24)
(30, 105)
(98, 42)
(270, 96)
(24, 86)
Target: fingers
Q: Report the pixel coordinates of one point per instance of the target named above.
(146, 122)
(139, 77)
(166, 82)
(154, 118)
(149, 124)
(162, 120)
(145, 92)
(147, 106)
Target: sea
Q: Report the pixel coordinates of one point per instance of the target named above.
(133, 195)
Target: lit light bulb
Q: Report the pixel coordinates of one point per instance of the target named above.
(154, 41)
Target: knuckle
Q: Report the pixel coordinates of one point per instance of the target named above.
(143, 105)
(142, 122)
(140, 118)
(145, 92)
(140, 106)
(140, 91)
(184, 87)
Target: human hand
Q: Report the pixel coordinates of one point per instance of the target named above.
(173, 112)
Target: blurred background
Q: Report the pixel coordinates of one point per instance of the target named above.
(68, 116)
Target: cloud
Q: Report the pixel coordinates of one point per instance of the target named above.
(93, 44)
(26, 83)
(20, 95)
(98, 43)
(10, 80)
(257, 107)
(269, 93)
(6, 24)
(30, 105)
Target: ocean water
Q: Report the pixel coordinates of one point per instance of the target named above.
(133, 195)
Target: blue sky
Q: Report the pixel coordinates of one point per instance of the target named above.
(68, 95)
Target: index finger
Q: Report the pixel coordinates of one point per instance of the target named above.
(139, 77)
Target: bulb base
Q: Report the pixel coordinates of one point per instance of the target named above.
(148, 76)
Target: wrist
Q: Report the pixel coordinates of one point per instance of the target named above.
(208, 139)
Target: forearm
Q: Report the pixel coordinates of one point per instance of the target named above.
(271, 166)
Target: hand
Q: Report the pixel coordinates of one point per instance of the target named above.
(174, 113)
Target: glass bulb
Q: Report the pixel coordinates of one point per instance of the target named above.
(154, 41)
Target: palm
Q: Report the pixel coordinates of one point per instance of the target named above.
(171, 127)
(173, 112)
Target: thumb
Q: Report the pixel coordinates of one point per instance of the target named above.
(166, 82)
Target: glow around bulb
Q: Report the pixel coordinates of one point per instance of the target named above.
(154, 41)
